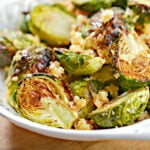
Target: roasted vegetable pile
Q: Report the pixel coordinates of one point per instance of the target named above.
(80, 65)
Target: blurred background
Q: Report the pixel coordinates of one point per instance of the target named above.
(11, 11)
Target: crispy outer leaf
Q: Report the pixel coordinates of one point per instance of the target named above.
(123, 110)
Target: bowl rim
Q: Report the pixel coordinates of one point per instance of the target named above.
(139, 130)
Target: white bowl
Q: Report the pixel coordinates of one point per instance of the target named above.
(141, 130)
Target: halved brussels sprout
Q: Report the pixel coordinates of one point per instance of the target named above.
(52, 23)
(103, 35)
(123, 110)
(12, 41)
(79, 64)
(29, 61)
(43, 99)
(93, 5)
(132, 61)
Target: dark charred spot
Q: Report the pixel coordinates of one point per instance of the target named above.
(34, 61)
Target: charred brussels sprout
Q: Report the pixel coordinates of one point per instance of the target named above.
(31, 60)
(52, 23)
(12, 41)
(42, 98)
(93, 5)
(79, 64)
(123, 110)
(27, 62)
(132, 61)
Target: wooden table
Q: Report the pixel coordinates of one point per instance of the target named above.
(14, 138)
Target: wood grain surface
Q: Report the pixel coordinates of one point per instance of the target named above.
(14, 138)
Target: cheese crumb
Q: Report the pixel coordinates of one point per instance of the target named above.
(83, 124)
(56, 69)
(107, 15)
(100, 98)
(14, 78)
(79, 102)
(17, 57)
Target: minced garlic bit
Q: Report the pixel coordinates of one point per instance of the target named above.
(116, 75)
(89, 52)
(14, 78)
(79, 102)
(100, 98)
(56, 69)
(113, 90)
(83, 124)
(76, 48)
(28, 75)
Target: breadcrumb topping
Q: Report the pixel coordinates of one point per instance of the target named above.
(83, 124)
(79, 102)
(100, 98)
(56, 69)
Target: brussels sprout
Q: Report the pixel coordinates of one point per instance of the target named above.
(105, 75)
(123, 110)
(29, 61)
(43, 99)
(79, 64)
(12, 41)
(131, 60)
(52, 23)
(93, 5)
(80, 88)
(142, 8)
